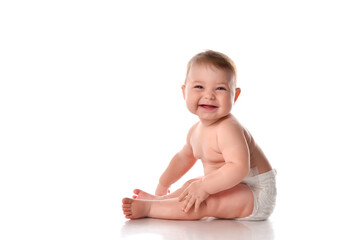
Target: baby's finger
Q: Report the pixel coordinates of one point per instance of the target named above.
(190, 204)
(185, 202)
(182, 196)
(197, 204)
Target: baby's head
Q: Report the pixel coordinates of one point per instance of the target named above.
(214, 59)
(210, 86)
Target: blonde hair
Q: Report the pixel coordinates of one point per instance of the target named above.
(215, 59)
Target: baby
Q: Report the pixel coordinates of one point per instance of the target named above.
(238, 180)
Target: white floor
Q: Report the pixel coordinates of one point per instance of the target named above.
(204, 229)
(275, 228)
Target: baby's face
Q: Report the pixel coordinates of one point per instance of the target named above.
(209, 92)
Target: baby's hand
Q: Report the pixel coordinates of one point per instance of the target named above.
(161, 190)
(193, 194)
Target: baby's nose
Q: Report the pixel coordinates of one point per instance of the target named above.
(210, 95)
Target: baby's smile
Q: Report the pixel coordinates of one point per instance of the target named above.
(208, 107)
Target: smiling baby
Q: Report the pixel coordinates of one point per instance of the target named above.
(238, 180)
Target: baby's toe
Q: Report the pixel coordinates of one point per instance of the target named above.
(127, 201)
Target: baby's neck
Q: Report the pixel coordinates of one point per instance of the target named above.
(212, 122)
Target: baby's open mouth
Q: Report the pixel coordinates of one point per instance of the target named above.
(208, 107)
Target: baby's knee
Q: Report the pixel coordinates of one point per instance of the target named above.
(186, 184)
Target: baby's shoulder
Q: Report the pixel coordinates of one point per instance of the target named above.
(230, 124)
(233, 128)
(230, 133)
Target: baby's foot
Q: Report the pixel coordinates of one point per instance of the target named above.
(133, 208)
(144, 195)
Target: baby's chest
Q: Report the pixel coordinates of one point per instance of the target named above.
(205, 147)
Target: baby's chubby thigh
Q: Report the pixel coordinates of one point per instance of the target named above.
(236, 202)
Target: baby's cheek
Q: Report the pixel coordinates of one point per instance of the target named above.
(191, 107)
(228, 105)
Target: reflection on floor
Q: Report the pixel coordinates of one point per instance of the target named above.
(209, 228)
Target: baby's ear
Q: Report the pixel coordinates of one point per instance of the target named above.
(184, 91)
(238, 91)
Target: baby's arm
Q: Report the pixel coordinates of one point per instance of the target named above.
(235, 152)
(179, 165)
(234, 148)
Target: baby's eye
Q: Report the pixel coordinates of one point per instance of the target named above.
(221, 88)
(198, 86)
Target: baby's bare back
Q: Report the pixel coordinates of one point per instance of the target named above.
(204, 143)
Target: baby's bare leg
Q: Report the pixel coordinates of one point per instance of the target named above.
(237, 202)
(146, 196)
(164, 209)
(232, 203)
(179, 191)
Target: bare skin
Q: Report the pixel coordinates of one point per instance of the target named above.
(139, 194)
(232, 203)
(226, 149)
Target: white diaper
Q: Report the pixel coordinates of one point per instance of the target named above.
(264, 191)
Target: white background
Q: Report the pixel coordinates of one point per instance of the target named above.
(91, 107)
